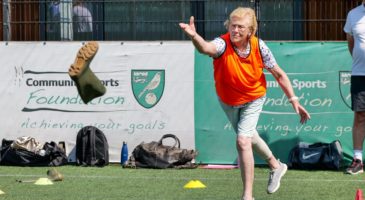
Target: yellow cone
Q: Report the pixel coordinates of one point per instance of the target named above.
(43, 181)
(194, 184)
(1, 192)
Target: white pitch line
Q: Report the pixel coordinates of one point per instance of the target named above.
(189, 178)
(312, 180)
(293, 113)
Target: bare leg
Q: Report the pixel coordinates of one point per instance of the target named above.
(262, 149)
(246, 160)
(278, 169)
(358, 134)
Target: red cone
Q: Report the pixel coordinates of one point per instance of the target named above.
(359, 195)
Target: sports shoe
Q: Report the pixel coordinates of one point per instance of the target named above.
(275, 177)
(355, 168)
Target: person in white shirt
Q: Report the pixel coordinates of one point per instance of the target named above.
(82, 21)
(355, 31)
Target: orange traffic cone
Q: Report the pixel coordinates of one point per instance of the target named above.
(359, 195)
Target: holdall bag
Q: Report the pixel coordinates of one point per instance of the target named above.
(50, 155)
(324, 156)
(157, 155)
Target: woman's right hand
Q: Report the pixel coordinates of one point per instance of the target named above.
(189, 29)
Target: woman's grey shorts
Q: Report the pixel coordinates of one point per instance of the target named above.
(244, 117)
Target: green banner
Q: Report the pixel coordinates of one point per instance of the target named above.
(320, 75)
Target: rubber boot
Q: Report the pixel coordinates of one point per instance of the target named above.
(88, 85)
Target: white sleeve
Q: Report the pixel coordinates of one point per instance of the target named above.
(347, 27)
(267, 57)
(220, 44)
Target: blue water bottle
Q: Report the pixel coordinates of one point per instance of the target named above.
(124, 154)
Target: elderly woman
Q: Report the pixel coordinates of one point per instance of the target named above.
(239, 59)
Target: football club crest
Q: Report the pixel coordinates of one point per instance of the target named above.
(344, 84)
(148, 86)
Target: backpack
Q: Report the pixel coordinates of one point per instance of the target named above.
(92, 148)
(323, 156)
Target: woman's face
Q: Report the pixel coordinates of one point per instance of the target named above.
(239, 29)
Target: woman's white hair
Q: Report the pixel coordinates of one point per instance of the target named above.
(242, 12)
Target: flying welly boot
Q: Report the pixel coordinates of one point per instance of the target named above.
(88, 85)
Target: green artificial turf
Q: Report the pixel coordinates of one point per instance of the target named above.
(115, 182)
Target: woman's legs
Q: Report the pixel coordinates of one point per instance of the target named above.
(278, 169)
(260, 147)
(244, 149)
(244, 119)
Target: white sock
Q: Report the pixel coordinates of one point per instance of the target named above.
(358, 154)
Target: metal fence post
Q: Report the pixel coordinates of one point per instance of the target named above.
(6, 20)
(66, 20)
(257, 11)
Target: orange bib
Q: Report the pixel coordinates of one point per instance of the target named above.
(239, 80)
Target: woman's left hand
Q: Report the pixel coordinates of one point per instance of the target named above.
(301, 111)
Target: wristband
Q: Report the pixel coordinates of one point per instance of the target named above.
(293, 98)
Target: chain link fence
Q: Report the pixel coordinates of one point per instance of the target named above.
(122, 20)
